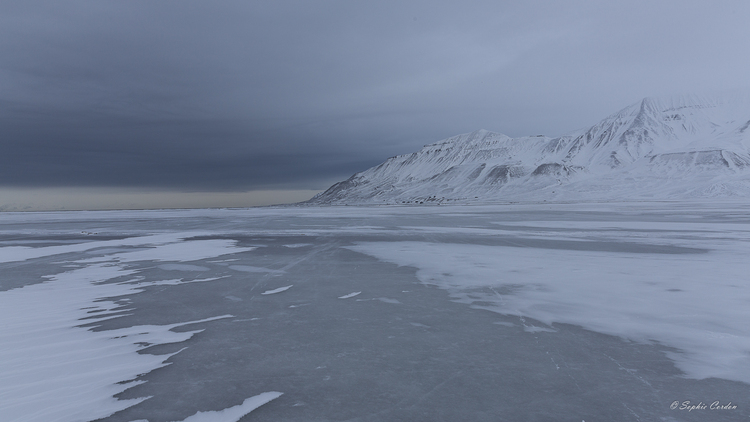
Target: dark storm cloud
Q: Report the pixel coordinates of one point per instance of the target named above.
(64, 149)
(260, 95)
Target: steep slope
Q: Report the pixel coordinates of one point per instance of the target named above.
(683, 146)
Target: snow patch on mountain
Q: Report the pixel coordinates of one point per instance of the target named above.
(669, 148)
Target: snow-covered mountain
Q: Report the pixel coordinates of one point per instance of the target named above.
(672, 148)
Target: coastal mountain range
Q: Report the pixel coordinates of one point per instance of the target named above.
(678, 147)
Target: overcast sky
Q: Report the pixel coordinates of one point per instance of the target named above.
(230, 97)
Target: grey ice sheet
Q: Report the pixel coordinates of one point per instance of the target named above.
(612, 312)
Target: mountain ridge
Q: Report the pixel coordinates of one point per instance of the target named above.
(658, 148)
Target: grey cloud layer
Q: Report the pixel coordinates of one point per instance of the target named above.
(256, 95)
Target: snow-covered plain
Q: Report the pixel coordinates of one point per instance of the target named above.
(594, 311)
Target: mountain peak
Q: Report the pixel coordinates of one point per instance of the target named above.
(737, 98)
(684, 145)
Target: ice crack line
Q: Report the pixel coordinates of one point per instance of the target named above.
(629, 371)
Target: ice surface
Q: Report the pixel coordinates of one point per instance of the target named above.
(22, 253)
(693, 303)
(58, 370)
(192, 250)
(166, 247)
(607, 311)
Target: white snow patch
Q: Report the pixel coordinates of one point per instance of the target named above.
(190, 250)
(174, 282)
(252, 269)
(22, 253)
(279, 290)
(234, 413)
(535, 329)
(693, 302)
(182, 267)
(54, 369)
(387, 300)
(51, 367)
